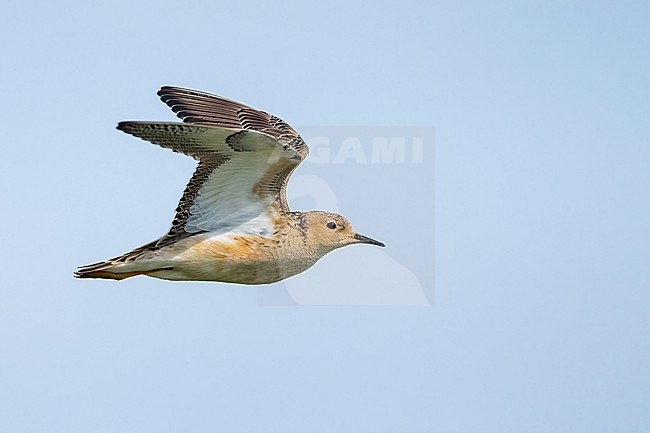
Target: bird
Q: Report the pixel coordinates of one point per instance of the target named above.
(233, 223)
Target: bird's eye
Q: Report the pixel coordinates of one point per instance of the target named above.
(331, 225)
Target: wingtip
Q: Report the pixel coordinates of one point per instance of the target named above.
(167, 92)
(163, 90)
(126, 126)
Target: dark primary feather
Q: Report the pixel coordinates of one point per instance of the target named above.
(197, 107)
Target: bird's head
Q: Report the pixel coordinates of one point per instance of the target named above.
(330, 231)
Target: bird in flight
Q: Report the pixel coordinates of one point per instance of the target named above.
(233, 223)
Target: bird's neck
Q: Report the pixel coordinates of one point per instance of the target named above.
(303, 238)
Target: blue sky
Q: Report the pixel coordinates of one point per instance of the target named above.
(523, 230)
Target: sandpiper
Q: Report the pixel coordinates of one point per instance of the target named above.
(233, 223)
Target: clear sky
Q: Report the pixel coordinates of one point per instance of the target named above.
(521, 229)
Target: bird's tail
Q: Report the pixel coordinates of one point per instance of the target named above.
(121, 267)
(105, 270)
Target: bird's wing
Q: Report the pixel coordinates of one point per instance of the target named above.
(202, 108)
(238, 182)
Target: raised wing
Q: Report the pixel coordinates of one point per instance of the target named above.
(203, 108)
(238, 184)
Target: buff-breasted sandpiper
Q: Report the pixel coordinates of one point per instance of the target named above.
(233, 223)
